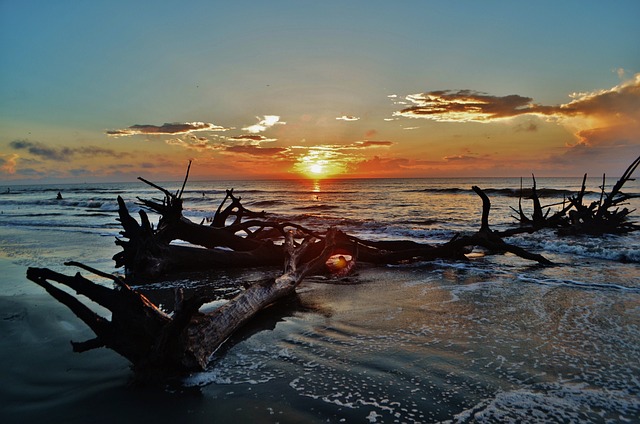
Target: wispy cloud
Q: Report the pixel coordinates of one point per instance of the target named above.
(347, 118)
(392, 166)
(264, 123)
(370, 143)
(166, 129)
(59, 154)
(8, 163)
(191, 142)
(249, 137)
(255, 150)
(459, 158)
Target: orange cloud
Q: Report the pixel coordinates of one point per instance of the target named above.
(601, 118)
(8, 163)
(369, 143)
(255, 150)
(460, 158)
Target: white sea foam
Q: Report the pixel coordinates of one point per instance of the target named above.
(567, 403)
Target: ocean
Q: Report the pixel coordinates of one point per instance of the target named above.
(493, 339)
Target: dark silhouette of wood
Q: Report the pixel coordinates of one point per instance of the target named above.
(159, 345)
(577, 218)
(603, 216)
(148, 254)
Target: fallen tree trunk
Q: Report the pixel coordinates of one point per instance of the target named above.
(159, 345)
(148, 254)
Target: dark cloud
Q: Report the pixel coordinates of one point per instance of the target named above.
(248, 137)
(167, 128)
(41, 150)
(621, 103)
(79, 172)
(59, 154)
(529, 127)
(469, 105)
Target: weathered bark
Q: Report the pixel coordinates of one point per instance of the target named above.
(148, 255)
(576, 218)
(159, 345)
(600, 217)
(539, 219)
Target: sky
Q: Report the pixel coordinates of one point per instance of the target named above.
(112, 90)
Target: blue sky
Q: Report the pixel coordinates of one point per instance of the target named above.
(339, 76)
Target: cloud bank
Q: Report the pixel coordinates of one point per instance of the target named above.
(621, 101)
(60, 154)
(166, 129)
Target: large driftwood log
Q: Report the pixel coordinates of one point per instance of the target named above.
(158, 344)
(148, 254)
(255, 241)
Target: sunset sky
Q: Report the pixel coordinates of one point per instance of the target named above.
(112, 90)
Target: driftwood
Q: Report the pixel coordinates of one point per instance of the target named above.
(148, 253)
(603, 216)
(575, 218)
(158, 344)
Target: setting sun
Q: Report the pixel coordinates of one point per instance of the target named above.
(316, 168)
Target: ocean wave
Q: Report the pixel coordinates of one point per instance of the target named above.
(593, 248)
(554, 402)
(426, 222)
(528, 192)
(448, 190)
(322, 207)
(31, 215)
(577, 284)
(506, 192)
(263, 203)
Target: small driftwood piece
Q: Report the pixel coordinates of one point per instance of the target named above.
(603, 216)
(575, 218)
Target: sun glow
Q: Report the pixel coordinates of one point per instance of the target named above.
(316, 168)
(321, 162)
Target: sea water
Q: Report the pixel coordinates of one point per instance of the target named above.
(495, 338)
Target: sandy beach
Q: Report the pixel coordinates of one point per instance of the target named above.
(493, 338)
